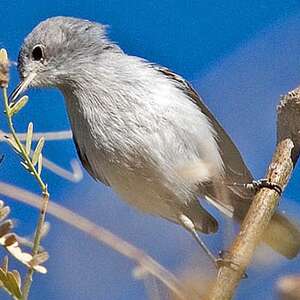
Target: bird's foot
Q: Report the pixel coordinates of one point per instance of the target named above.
(256, 185)
(189, 225)
(225, 260)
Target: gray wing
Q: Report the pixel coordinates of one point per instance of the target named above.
(235, 169)
(86, 164)
(281, 234)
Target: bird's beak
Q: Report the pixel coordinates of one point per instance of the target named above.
(21, 87)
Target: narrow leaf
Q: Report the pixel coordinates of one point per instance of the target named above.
(29, 137)
(4, 212)
(17, 276)
(14, 145)
(24, 165)
(3, 275)
(4, 265)
(38, 150)
(40, 164)
(3, 56)
(18, 106)
(12, 285)
(4, 68)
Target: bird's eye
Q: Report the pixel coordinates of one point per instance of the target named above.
(38, 52)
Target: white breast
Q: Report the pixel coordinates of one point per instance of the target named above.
(150, 142)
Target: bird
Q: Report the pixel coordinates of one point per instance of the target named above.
(143, 130)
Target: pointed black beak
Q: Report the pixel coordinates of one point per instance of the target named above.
(21, 87)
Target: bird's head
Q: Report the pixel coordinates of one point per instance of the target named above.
(57, 49)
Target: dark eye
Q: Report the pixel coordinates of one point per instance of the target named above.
(38, 52)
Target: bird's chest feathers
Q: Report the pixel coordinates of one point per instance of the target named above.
(104, 126)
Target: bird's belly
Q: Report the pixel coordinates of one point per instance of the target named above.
(146, 190)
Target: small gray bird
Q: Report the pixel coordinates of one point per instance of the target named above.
(143, 130)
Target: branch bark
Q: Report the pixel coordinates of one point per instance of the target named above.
(266, 200)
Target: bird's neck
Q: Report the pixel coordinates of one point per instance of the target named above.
(99, 101)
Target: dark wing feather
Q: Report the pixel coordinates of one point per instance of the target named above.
(234, 166)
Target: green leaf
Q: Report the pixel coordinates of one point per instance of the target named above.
(4, 212)
(24, 164)
(12, 285)
(14, 145)
(38, 150)
(3, 275)
(3, 56)
(18, 277)
(4, 69)
(15, 108)
(4, 265)
(29, 137)
(40, 164)
(10, 282)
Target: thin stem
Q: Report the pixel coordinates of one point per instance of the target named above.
(45, 195)
(36, 244)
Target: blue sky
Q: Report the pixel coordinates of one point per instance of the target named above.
(240, 55)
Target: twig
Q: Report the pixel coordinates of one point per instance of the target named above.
(266, 200)
(145, 262)
(36, 243)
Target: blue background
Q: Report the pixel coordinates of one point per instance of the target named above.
(240, 55)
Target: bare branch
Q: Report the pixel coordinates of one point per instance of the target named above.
(265, 201)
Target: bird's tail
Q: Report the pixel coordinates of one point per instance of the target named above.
(283, 236)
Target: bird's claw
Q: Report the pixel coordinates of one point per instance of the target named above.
(225, 260)
(264, 183)
(256, 185)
